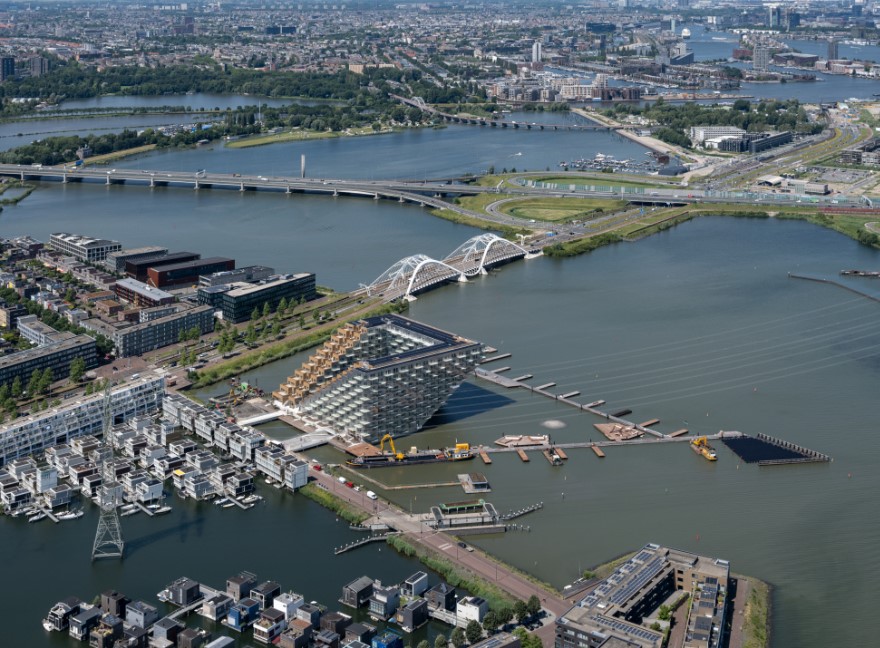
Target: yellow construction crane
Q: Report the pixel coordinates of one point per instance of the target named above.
(397, 455)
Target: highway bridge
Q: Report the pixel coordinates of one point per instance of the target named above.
(419, 103)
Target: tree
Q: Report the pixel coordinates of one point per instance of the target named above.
(70, 295)
(440, 641)
(34, 382)
(276, 329)
(664, 613)
(505, 615)
(458, 638)
(267, 309)
(255, 315)
(302, 321)
(490, 622)
(77, 369)
(282, 305)
(473, 632)
(533, 605)
(250, 335)
(520, 609)
(316, 316)
(423, 644)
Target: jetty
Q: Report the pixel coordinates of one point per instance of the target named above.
(523, 456)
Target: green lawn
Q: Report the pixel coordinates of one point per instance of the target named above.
(562, 209)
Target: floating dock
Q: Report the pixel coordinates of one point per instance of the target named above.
(560, 452)
(767, 451)
(485, 457)
(543, 387)
(678, 433)
(622, 412)
(502, 369)
(523, 456)
(598, 451)
(594, 404)
(494, 358)
(523, 377)
(552, 457)
(570, 394)
(650, 423)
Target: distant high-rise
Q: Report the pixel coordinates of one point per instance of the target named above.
(7, 68)
(39, 66)
(774, 15)
(833, 49)
(536, 52)
(760, 58)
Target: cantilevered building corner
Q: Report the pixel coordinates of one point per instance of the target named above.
(382, 375)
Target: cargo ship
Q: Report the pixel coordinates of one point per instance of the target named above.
(702, 447)
(461, 452)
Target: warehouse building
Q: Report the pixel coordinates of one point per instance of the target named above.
(247, 274)
(140, 294)
(237, 301)
(382, 375)
(138, 268)
(116, 261)
(84, 248)
(187, 272)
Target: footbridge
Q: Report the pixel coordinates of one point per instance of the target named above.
(414, 274)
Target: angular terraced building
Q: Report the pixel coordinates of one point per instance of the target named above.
(382, 375)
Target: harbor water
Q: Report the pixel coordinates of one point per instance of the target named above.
(699, 326)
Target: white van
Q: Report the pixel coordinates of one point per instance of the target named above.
(372, 495)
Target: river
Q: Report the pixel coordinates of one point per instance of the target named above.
(698, 326)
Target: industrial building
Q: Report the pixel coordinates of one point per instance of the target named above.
(867, 153)
(140, 294)
(187, 272)
(56, 356)
(382, 375)
(82, 416)
(160, 332)
(248, 274)
(137, 268)
(617, 607)
(84, 248)
(115, 261)
(237, 301)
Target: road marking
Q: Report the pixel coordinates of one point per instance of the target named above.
(445, 546)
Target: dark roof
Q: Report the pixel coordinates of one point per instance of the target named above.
(198, 263)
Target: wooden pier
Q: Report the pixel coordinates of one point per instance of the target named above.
(523, 378)
(485, 457)
(571, 394)
(678, 433)
(523, 456)
(559, 451)
(546, 386)
(598, 451)
(650, 423)
(551, 457)
(494, 358)
(502, 369)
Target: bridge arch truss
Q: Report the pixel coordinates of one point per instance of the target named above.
(477, 253)
(412, 274)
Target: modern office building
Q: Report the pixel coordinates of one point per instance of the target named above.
(187, 272)
(116, 261)
(158, 333)
(382, 375)
(833, 49)
(138, 268)
(39, 333)
(79, 417)
(237, 301)
(56, 356)
(84, 248)
(140, 294)
(247, 274)
(760, 58)
(618, 606)
(7, 68)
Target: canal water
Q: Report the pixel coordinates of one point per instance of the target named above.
(699, 326)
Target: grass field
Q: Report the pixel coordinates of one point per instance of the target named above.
(562, 209)
(299, 135)
(118, 155)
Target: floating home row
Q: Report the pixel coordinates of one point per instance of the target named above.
(274, 617)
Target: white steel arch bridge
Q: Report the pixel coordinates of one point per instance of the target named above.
(419, 272)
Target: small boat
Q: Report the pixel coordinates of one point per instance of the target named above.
(47, 626)
(162, 510)
(221, 501)
(125, 513)
(227, 505)
(36, 518)
(70, 515)
(153, 507)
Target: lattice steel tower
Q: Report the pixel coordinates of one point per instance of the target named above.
(108, 538)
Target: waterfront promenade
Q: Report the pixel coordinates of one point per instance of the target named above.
(415, 528)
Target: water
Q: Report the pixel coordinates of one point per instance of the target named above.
(845, 51)
(698, 326)
(289, 233)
